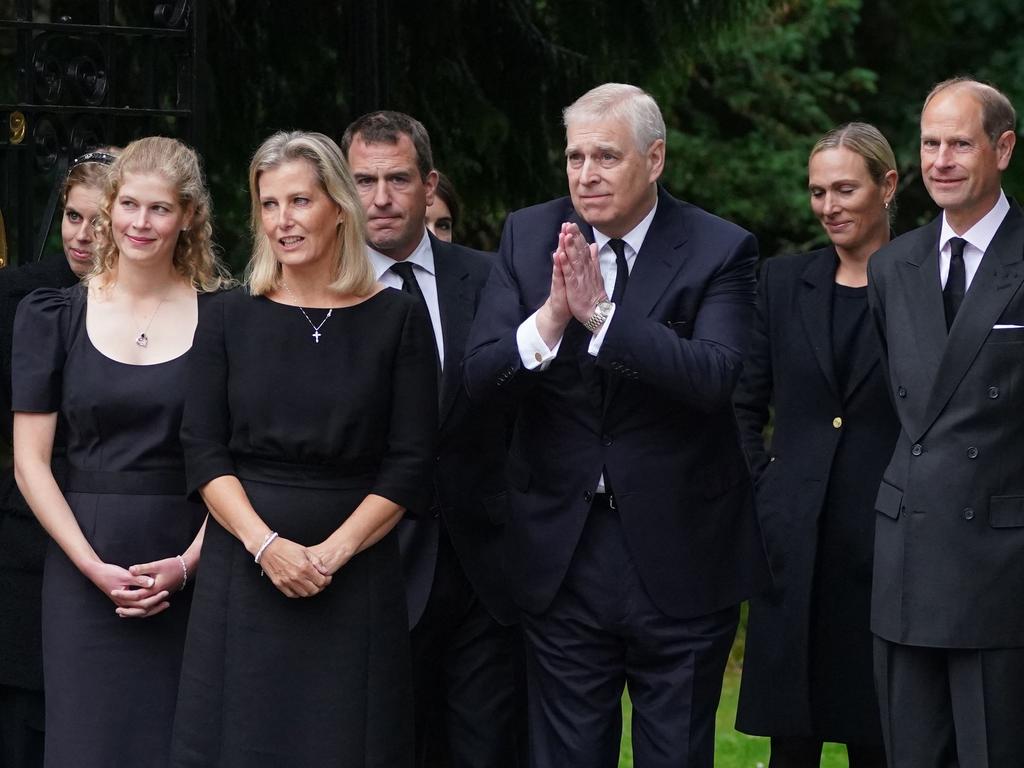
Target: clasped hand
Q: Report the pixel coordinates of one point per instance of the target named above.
(576, 282)
(297, 571)
(142, 590)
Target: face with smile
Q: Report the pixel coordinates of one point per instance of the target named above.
(299, 218)
(146, 217)
(611, 182)
(849, 204)
(77, 232)
(439, 219)
(962, 168)
(392, 192)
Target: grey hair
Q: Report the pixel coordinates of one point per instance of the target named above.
(620, 101)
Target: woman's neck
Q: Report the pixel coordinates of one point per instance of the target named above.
(853, 262)
(309, 287)
(141, 282)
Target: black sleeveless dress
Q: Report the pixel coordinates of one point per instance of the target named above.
(309, 426)
(111, 683)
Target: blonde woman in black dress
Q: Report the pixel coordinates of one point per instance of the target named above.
(309, 428)
(105, 362)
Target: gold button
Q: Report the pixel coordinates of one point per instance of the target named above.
(538, 357)
(837, 422)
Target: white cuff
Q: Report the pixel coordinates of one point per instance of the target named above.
(532, 349)
(598, 340)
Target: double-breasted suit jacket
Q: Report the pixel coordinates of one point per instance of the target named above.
(815, 486)
(469, 474)
(949, 541)
(661, 429)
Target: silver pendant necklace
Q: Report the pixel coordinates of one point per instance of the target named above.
(316, 328)
(141, 339)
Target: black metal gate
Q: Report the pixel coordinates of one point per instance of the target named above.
(95, 72)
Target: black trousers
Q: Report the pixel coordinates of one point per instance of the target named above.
(21, 728)
(793, 752)
(601, 633)
(945, 708)
(468, 677)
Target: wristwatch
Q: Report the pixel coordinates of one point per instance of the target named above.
(601, 311)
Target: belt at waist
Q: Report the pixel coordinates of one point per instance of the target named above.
(141, 482)
(322, 476)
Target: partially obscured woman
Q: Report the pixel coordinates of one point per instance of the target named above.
(22, 541)
(107, 360)
(807, 670)
(443, 213)
(308, 429)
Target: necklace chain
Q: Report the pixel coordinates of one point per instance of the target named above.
(141, 337)
(316, 328)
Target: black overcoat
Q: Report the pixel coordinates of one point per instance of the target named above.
(810, 674)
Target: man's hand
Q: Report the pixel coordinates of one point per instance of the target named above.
(555, 314)
(581, 273)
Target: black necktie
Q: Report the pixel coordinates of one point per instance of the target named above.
(621, 269)
(956, 281)
(405, 271)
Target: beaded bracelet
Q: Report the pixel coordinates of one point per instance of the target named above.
(184, 572)
(267, 540)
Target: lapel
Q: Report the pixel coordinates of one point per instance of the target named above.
(998, 277)
(815, 300)
(659, 259)
(455, 299)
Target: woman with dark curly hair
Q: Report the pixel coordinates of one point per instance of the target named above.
(105, 363)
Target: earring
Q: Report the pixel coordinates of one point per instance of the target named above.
(886, 206)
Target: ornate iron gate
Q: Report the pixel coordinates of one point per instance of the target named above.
(96, 72)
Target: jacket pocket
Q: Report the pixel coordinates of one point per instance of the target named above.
(683, 328)
(889, 500)
(496, 508)
(1006, 511)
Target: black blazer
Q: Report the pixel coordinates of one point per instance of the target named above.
(469, 476)
(828, 449)
(665, 435)
(949, 541)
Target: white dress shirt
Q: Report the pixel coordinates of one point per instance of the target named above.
(422, 260)
(978, 238)
(534, 353)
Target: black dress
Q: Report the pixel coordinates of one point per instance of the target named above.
(111, 683)
(310, 428)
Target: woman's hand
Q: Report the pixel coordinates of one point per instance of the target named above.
(294, 569)
(136, 596)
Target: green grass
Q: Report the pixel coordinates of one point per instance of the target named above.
(732, 749)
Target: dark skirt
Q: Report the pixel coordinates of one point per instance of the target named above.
(271, 681)
(111, 683)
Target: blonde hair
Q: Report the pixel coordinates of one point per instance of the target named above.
(179, 165)
(351, 272)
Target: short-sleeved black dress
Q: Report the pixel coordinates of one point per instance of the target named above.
(310, 428)
(111, 683)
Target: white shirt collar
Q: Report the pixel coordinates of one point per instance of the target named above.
(635, 237)
(981, 234)
(422, 257)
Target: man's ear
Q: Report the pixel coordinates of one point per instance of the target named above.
(656, 159)
(431, 185)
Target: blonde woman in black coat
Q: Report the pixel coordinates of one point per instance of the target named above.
(807, 675)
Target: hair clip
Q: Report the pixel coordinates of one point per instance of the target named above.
(93, 157)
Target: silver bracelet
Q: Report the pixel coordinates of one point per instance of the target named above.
(267, 541)
(184, 572)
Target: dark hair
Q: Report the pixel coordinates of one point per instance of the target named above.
(446, 191)
(385, 127)
(997, 113)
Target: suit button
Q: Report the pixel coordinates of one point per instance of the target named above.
(588, 496)
(968, 514)
(606, 440)
(901, 392)
(972, 452)
(917, 450)
(993, 392)
(437, 515)
(837, 422)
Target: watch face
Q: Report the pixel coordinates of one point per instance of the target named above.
(604, 306)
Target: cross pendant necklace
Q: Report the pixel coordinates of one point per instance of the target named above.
(316, 328)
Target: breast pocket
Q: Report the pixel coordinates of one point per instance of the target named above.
(1005, 335)
(682, 328)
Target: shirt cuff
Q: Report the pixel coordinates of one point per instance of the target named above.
(532, 350)
(598, 340)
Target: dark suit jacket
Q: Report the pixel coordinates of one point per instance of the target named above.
(949, 541)
(820, 476)
(22, 540)
(469, 478)
(665, 435)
